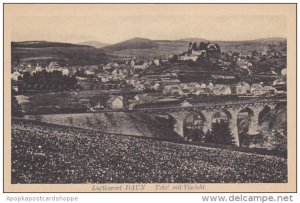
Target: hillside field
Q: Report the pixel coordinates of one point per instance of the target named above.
(47, 153)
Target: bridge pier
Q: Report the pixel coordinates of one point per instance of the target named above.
(179, 118)
(179, 128)
(208, 117)
(253, 127)
(234, 127)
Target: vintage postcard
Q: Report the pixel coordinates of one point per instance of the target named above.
(149, 97)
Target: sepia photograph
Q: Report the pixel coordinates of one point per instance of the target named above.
(150, 97)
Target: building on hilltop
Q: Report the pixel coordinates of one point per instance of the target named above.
(203, 49)
(115, 102)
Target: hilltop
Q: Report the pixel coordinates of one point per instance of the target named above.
(146, 48)
(135, 43)
(250, 45)
(43, 52)
(95, 44)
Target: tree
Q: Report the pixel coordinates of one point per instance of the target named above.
(202, 46)
(16, 109)
(174, 59)
(218, 48)
(221, 133)
(208, 137)
(195, 46)
(48, 81)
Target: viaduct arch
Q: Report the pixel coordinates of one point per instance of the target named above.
(207, 111)
(208, 115)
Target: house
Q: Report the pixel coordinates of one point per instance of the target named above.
(29, 69)
(139, 97)
(89, 72)
(241, 88)
(156, 62)
(220, 89)
(183, 86)
(202, 91)
(280, 86)
(256, 89)
(110, 66)
(203, 85)
(139, 87)
(38, 68)
(210, 86)
(115, 102)
(167, 89)
(212, 49)
(155, 86)
(145, 98)
(53, 65)
(283, 72)
(141, 65)
(187, 57)
(131, 106)
(80, 78)
(165, 79)
(131, 81)
(170, 77)
(105, 79)
(132, 63)
(193, 85)
(15, 75)
(15, 88)
(279, 81)
(268, 90)
(186, 104)
(175, 91)
(198, 53)
(116, 77)
(72, 70)
(242, 63)
(185, 92)
(65, 71)
(107, 67)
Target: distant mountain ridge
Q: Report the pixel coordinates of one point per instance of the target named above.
(44, 52)
(193, 39)
(95, 44)
(141, 48)
(147, 48)
(43, 44)
(134, 43)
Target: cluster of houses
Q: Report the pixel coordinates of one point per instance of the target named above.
(163, 87)
(106, 72)
(240, 88)
(53, 66)
(152, 82)
(173, 92)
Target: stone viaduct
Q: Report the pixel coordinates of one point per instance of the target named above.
(208, 110)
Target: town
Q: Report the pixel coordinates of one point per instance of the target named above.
(150, 97)
(202, 98)
(125, 84)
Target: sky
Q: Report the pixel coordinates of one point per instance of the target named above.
(99, 24)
